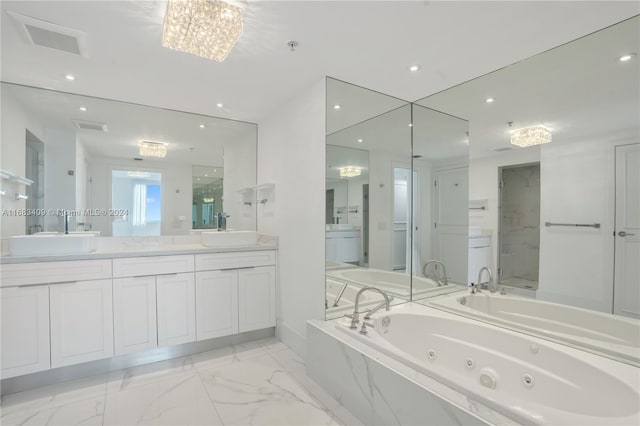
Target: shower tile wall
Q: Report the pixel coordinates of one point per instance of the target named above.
(520, 223)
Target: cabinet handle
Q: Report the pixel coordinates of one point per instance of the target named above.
(237, 269)
(56, 283)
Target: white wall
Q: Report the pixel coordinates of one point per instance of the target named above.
(291, 150)
(239, 173)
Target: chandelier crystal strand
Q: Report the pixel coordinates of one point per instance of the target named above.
(530, 136)
(205, 28)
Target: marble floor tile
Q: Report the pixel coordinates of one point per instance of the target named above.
(260, 391)
(261, 382)
(177, 398)
(75, 402)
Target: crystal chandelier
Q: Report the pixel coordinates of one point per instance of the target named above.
(153, 149)
(530, 136)
(347, 172)
(206, 28)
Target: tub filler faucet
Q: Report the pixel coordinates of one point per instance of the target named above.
(442, 277)
(491, 285)
(355, 319)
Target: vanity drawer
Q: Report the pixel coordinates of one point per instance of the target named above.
(232, 260)
(152, 265)
(20, 274)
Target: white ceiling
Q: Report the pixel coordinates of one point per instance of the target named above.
(367, 43)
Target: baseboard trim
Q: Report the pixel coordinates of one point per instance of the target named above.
(294, 340)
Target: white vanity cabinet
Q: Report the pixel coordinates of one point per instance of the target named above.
(25, 330)
(235, 292)
(43, 314)
(81, 322)
(256, 298)
(154, 302)
(134, 314)
(216, 303)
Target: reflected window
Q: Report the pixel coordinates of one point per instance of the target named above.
(136, 200)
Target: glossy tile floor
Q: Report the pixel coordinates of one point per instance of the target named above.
(256, 383)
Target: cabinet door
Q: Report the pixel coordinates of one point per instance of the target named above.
(216, 304)
(25, 330)
(81, 322)
(257, 298)
(134, 314)
(176, 309)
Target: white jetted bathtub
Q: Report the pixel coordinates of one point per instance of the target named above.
(612, 335)
(394, 283)
(527, 379)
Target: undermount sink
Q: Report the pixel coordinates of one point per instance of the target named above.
(51, 244)
(229, 238)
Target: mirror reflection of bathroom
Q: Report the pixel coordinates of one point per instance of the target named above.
(519, 226)
(34, 170)
(207, 196)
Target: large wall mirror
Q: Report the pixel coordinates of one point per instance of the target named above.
(386, 225)
(559, 221)
(86, 154)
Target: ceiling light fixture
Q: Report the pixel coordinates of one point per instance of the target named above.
(153, 149)
(489, 100)
(414, 68)
(219, 105)
(202, 126)
(626, 58)
(205, 28)
(530, 136)
(70, 77)
(337, 106)
(83, 109)
(347, 172)
(360, 140)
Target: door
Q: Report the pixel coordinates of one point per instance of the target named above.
(25, 330)
(401, 226)
(176, 298)
(257, 298)
(626, 287)
(134, 314)
(329, 212)
(216, 303)
(81, 322)
(451, 222)
(365, 224)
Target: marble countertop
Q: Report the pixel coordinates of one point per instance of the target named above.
(140, 247)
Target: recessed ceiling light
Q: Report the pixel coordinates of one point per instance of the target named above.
(202, 126)
(410, 124)
(360, 140)
(214, 170)
(219, 105)
(83, 109)
(627, 57)
(489, 100)
(206, 175)
(415, 67)
(70, 77)
(337, 106)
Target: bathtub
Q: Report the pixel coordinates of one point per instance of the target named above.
(394, 283)
(526, 379)
(611, 335)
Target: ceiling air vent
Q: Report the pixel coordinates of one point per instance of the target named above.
(53, 36)
(90, 125)
(503, 149)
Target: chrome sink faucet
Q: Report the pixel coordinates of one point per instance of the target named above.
(356, 319)
(442, 278)
(491, 284)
